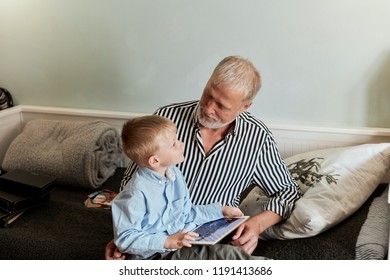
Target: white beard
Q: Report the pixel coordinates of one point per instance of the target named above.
(214, 124)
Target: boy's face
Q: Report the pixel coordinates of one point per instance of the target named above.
(171, 150)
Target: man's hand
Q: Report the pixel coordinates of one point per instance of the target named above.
(247, 234)
(112, 252)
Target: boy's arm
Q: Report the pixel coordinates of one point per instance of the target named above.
(129, 235)
(231, 212)
(200, 214)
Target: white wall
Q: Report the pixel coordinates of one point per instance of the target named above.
(322, 62)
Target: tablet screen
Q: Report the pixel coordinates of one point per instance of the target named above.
(212, 232)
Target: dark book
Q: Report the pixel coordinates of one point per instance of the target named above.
(13, 203)
(24, 183)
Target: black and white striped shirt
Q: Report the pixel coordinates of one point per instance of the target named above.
(248, 154)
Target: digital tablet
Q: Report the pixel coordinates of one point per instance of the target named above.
(212, 232)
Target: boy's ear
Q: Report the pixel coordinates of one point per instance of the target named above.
(153, 161)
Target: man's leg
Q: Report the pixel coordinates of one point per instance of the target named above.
(216, 252)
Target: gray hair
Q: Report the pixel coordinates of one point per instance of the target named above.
(238, 74)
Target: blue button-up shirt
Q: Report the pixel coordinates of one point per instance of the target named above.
(152, 207)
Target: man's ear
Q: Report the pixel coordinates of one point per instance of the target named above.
(246, 106)
(153, 161)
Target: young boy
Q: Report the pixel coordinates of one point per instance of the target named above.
(153, 215)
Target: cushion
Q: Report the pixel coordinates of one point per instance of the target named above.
(335, 182)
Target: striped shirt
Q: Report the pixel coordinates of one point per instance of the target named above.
(246, 155)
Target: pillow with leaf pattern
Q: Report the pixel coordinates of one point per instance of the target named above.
(335, 183)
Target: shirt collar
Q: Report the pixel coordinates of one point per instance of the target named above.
(170, 174)
(156, 177)
(195, 121)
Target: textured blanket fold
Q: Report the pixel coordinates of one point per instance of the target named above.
(373, 240)
(80, 153)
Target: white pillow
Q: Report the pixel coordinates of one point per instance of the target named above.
(342, 180)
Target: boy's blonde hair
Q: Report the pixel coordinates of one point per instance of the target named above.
(141, 136)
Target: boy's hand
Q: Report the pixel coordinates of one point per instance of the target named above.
(112, 252)
(180, 239)
(231, 212)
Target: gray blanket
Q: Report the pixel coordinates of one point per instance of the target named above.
(77, 153)
(373, 239)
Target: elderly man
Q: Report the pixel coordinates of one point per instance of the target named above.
(227, 149)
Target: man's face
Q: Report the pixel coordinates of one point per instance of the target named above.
(219, 106)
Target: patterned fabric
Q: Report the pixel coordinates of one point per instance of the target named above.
(373, 239)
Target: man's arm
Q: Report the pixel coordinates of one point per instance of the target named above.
(275, 180)
(130, 170)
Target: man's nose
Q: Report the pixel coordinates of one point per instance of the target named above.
(210, 107)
